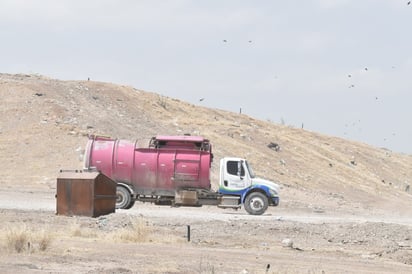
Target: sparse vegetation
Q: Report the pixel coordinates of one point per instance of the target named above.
(206, 267)
(78, 231)
(44, 240)
(123, 230)
(17, 239)
(22, 239)
(162, 101)
(137, 232)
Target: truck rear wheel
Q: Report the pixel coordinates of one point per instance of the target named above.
(124, 198)
(256, 203)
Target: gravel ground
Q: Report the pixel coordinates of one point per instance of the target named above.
(154, 239)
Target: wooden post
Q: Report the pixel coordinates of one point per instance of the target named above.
(188, 233)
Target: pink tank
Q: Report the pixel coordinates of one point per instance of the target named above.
(169, 163)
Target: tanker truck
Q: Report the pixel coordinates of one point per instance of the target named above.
(175, 170)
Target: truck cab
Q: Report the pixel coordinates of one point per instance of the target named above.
(238, 179)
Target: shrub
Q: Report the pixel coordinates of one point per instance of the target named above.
(22, 239)
(44, 240)
(18, 239)
(138, 232)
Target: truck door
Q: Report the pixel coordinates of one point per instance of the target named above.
(235, 177)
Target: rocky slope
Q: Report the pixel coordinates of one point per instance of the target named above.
(44, 125)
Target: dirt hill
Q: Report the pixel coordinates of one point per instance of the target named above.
(44, 125)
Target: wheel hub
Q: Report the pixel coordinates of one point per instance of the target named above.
(256, 204)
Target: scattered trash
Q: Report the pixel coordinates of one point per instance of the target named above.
(267, 268)
(274, 146)
(287, 243)
(403, 245)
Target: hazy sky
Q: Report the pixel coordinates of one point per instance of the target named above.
(339, 67)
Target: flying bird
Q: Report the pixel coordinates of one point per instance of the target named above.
(409, 2)
(366, 69)
(224, 40)
(201, 99)
(349, 75)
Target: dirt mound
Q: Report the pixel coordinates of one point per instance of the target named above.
(45, 123)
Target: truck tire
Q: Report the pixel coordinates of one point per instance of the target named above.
(124, 199)
(131, 204)
(256, 203)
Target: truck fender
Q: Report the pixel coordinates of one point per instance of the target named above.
(260, 188)
(128, 187)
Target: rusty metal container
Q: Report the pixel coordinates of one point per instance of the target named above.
(85, 193)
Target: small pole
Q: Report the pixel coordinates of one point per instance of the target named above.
(188, 233)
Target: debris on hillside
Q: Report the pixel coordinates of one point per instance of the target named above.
(287, 243)
(274, 146)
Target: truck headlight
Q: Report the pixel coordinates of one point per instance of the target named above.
(273, 193)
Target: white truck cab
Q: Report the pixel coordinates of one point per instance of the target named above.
(238, 179)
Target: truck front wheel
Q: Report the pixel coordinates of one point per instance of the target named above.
(124, 198)
(256, 203)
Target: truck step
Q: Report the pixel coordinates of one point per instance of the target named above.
(229, 206)
(227, 201)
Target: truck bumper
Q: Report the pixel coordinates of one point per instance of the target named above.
(275, 201)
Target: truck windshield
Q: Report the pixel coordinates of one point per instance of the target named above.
(251, 173)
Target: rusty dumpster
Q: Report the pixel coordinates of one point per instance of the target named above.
(85, 193)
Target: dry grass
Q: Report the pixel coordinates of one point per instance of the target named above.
(18, 239)
(44, 240)
(206, 267)
(77, 231)
(138, 232)
(141, 231)
(23, 239)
